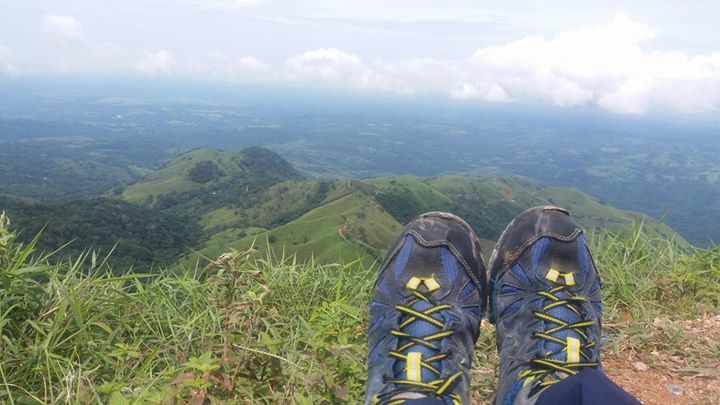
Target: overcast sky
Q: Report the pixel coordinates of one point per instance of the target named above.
(629, 57)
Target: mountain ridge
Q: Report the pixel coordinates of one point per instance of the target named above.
(330, 220)
(220, 200)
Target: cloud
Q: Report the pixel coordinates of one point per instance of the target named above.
(607, 65)
(223, 4)
(161, 62)
(603, 65)
(482, 91)
(239, 68)
(6, 61)
(63, 26)
(327, 65)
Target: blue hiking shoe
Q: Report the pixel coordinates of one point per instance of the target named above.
(425, 313)
(545, 302)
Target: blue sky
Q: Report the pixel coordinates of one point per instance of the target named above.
(625, 57)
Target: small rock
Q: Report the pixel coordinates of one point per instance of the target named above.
(640, 366)
(655, 353)
(675, 389)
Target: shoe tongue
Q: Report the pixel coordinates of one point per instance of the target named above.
(566, 315)
(414, 260)
(418, 329)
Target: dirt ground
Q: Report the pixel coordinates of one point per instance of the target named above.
(658, 378)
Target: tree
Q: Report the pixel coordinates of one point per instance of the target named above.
(205, 171)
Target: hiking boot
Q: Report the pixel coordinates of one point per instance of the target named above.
(545, 302)
(425, 313)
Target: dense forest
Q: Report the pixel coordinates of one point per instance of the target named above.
(139, 236)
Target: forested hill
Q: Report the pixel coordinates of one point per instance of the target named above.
(137, 235)
(211, 200)
(149, 231)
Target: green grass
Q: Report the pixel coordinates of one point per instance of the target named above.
(345, 229)
(420, 190)
(354, 221)
(174, 176)
(594, 215)
(251, 166)
(270, 329)
(286, 199)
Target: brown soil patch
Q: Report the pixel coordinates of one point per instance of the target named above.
(654, 385)
(662, 376)
(659, 378)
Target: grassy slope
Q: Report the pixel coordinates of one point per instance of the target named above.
(173, 177)
(589, 211)
(280, 200)
(350, 223)
(262, 331)
(346, 220)
(347, 228)
(596, 216)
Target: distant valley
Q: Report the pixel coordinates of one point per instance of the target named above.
(86, 142)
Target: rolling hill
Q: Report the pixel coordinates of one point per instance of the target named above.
(253, 197)
(204, 178)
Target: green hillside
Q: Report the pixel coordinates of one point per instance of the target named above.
(368, 215)
(350, 227)
(240, 206)
(208, 200)
(203, 179)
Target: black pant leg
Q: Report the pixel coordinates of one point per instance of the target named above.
(588, 387)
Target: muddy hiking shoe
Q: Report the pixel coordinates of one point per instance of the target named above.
(544, 295)
(427, 304)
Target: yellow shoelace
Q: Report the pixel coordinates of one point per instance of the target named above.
(576, 350)
(413, 360)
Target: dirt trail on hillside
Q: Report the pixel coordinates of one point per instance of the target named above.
(342, 230)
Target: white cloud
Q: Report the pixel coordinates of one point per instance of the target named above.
(161, 62)
(240, 68)
(223, 4)
(327, 65)
(608, 65)
(6, 61)
(481, 91)
(604, 65)
(63, 26)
